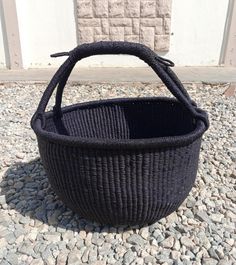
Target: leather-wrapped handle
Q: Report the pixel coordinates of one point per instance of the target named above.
(158, 64)
(110, 47)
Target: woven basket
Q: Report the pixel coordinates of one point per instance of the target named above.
(121, 161)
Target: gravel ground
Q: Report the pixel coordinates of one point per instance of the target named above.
(36, 228)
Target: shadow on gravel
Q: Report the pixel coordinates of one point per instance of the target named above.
(27, 190)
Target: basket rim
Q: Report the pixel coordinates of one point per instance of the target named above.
(102, 143)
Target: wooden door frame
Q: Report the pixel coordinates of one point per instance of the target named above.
(228, 51)
(11, 36)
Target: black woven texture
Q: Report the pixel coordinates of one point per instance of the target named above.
(121, 161)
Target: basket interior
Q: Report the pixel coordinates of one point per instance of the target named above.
(124, 120)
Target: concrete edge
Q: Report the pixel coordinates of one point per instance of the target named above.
(124, 75)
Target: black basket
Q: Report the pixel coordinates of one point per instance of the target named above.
(121, 161)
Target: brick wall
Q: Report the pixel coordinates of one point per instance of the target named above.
(144, 21)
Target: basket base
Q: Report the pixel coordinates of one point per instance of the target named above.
(162, 211)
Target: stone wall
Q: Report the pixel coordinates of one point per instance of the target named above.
(144, 21)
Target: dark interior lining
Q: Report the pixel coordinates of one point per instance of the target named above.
(124, 120)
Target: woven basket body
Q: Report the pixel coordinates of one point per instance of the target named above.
(121, 161)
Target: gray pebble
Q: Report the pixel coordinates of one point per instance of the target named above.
(105, 249)
(3, 243)
(136, 240)
(73, 258)
(93, 254)
(12, 258)
(213, 254)
(52, 237)
(98, 242)
(160, 238)
(2, 200)
(172, 218)
(120, 250)
(144, 232)
(202, 216)
(129, 257)
(176, 245)
(186, 241)
(26, 248)
(217, 218)
(24, 220)
(9, 236)
(224, 262)
(190, 202)
(168, 242)
(61, 259)
(149, 259)
(175, 255)
(111, 260)
(3, 253)
(37, 262)
(39, 247)
(188, 213)
(71, 244)
(220, 252)
(204, 241)
(4, 262)
(20, 155)
(164, 257)
(209, 261)
(79, 242)
(85, 256)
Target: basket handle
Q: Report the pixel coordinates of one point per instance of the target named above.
(161, 67)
